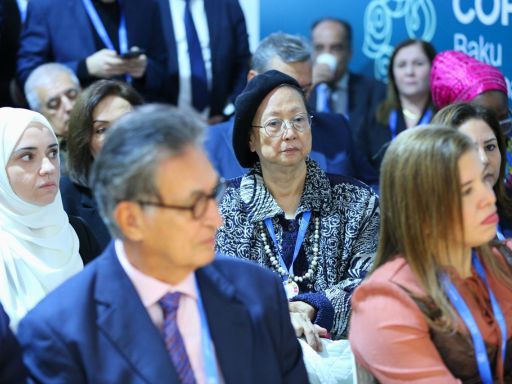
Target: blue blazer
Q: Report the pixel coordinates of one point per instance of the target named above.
(11, 365)
(229, 46)
(60, 31)
(95, 329)
(332, 148)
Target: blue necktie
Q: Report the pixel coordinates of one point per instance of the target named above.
(197, 67)
(173, 340)
(323, 95)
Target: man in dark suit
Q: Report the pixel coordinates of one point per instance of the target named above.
(224, 53)
(332, 147)
(90, 40)
(335, 88)
(156, 306)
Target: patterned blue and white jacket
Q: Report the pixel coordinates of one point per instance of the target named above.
(349, 224)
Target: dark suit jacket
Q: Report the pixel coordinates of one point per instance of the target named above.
(95, 329)
(60, 31)
(229, 46)
(332, 148)
(79, 201)
(364, 96)
(10, 26)
(11, 365)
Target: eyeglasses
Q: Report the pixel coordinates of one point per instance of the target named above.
(199, 207)
(55, 102)
(301, 122)
(506, 124)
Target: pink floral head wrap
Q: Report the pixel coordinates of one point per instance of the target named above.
(456, 76)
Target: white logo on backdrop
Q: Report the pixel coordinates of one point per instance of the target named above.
(379, 18)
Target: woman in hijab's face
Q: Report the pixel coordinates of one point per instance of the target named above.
(33, 168)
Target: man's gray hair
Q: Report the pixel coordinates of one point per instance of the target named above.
(44, 76)
(288, 48)
(134, 148)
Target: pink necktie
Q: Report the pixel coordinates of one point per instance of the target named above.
(173, 340)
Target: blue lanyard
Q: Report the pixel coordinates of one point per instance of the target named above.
(462, 309)
(102, 32)
(210, 362)
(303, 227)
(393, 121)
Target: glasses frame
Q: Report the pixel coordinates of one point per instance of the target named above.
(216, 195)
(287, 124)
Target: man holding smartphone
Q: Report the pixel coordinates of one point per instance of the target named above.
(97, 39)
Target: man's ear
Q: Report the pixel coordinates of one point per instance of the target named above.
(129, 217)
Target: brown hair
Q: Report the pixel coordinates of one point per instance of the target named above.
(392, 100)
(454, 115)
(421, 206)
(79, 158)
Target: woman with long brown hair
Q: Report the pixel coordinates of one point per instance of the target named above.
(440, 293)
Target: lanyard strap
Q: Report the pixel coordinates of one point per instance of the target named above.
(463, 310)
(102, 32)
(210, 363)
(303, 227)
(393, 121)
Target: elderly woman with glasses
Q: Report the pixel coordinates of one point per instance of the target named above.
(317, 231)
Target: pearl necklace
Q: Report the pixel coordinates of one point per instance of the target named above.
(275, 262)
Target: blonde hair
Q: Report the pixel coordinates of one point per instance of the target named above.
(421, 209)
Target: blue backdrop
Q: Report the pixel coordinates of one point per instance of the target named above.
(481, 28)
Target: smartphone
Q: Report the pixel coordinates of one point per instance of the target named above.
(132, 54)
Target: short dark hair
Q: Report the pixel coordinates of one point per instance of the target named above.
(80, 158)
(134, 148)
(342, 23)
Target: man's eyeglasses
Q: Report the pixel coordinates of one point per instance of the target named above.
(55, 102)
(199, 207)
(506, 124)
(301, 122)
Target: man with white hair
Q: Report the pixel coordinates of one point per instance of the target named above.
(51, 89)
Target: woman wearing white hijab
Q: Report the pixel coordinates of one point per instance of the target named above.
(39, 249)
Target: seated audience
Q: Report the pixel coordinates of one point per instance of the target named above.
(481, 125)
(318, 232)
(95, 110)
(440, 293)
(157, 306)
(459, 77)
(333, 147)
(336, 88)
(93, 38)
(11, 365)
(408, 102)
(39, 246)
(52, 89)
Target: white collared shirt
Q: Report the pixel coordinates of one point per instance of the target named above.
(339, 96)
(177, 8)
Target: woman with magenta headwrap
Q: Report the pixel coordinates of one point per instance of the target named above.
(457, 77)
